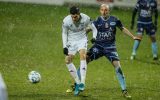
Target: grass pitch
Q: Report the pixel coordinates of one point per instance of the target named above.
(30, 39)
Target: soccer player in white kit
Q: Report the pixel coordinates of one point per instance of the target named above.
(75, 40)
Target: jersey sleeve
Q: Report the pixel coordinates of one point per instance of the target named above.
(154, 5)
(64, 34)
(137, 5)
(88, 20)
(119, 24)
(92, 26)
(96, 22)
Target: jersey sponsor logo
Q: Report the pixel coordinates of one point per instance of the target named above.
(145, 13)
(113, 23)
(105, 35)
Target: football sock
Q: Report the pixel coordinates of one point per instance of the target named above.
(83, 69)
(78, 72)
(135, 47)
(73, 72)
(154, 48)
(120, 77)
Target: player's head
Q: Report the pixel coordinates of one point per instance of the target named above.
(75, 13)
(104, 10)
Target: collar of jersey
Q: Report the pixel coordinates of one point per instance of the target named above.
(105, 19)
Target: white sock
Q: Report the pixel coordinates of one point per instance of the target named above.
(73, 72)
(83, 70)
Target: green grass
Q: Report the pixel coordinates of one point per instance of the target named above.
(30, 39)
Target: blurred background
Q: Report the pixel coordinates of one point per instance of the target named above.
(114, 3)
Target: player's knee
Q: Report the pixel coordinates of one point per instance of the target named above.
(83, 56)
(68, 59)
(153, 38)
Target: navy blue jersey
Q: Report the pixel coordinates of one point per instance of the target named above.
(107, 29)
(145, 10)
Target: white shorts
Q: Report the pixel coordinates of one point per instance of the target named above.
(75, 46)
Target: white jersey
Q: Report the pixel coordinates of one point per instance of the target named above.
(74, 32)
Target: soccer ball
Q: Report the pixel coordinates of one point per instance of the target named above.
(34, 77)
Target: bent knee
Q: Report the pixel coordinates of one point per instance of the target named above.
(68, 59)
(83, 56)
(153, 38)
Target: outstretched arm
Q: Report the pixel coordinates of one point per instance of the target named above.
(133, 17)
(156, 18)
(127, 32)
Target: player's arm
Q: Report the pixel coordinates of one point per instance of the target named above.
(64, 39)
(93, 29)
(125, 30)
(134, 15)
(156, 15)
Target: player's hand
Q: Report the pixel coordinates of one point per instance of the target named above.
(136, 38)
(65, 51)
(88, 29)
(93, 40)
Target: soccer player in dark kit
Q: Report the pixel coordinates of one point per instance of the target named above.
(146, 9)
(104, 44)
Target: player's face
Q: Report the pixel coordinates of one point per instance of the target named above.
(104, 10)
(75, 17)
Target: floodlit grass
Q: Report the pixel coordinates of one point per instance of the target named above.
(30, 39)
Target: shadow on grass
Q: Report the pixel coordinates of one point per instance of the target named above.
(88, 94)
(59, 96)
(143, 89)
(154, 62)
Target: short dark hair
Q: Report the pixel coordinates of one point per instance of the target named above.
(74, 10)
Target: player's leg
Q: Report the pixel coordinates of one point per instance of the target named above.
(151, 32)
(72, 69)
(93, 53)
(119, 74)
(154, 47)
(136, 44)
(83, 67)
(121, 78)
(114, 59)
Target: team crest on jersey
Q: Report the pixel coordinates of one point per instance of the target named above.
(106, 25)
(113, 23)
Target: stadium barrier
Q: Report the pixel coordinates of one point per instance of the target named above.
(113, 3)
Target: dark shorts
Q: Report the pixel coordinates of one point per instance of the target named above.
(97, 51)
(148, 28)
